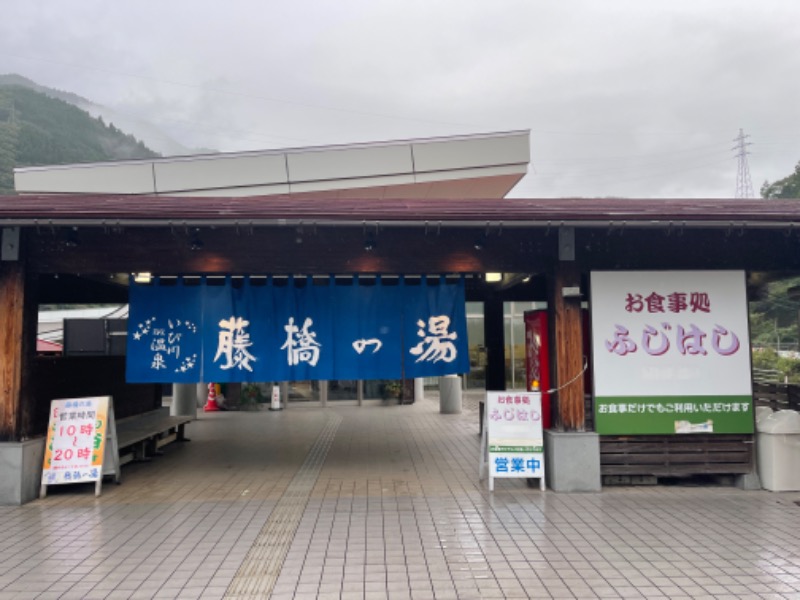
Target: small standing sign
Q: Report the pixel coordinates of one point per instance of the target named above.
(275, 404)
(81, 443)
(512, 444)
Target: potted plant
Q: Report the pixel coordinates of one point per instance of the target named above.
(392, 390)
(251, 396)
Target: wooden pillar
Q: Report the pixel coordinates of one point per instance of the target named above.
(567, 347)
(493, 338)
(18, 313)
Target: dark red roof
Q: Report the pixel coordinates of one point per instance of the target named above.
(108, 209)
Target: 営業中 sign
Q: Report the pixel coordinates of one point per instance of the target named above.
(513, 443)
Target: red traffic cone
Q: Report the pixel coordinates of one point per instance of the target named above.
(211, 402)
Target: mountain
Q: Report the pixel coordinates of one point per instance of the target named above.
(39, 129)
(155, 138)
(18, 80)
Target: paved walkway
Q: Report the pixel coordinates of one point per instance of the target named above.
(383, 502)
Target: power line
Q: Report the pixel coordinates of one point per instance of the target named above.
(610, 177)
(718, 147)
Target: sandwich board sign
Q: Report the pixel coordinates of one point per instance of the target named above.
(512, 444)
(81, 443)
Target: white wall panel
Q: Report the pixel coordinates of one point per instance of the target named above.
(379, 166)
(471, 152)
(234, 192)
(209, 173)
(369, 161)
(111, 178)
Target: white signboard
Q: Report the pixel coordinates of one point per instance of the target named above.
(81, 443)
(671, 352)
(513, 442)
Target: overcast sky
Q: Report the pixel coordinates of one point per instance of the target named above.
(637, 98)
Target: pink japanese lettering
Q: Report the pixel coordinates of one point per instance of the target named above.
(621, 344)
(650, 335)
(655, 303)
(717, 335)
(676, 302)
(691, 341)
(634, 303)
(700, 302)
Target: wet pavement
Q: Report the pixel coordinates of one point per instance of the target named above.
(384, 502)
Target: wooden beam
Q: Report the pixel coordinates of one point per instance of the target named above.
(278, 250)
(567, 345)
(17, 327)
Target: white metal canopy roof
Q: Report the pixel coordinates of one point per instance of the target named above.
(470, 166)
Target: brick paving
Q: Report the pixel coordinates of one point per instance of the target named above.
(383, 502)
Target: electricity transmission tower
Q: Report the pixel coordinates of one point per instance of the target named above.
(744, 186)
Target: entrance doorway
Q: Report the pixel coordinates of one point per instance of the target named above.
(513, 343)
(342, 391)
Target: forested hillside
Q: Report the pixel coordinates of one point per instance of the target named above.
(36, 129)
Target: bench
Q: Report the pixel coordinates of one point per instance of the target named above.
(141, 436)
(622, 456)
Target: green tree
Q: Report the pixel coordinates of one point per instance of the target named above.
(788, 187)
(9, 135)
(8, 143)
(775, 315)
(37, 129)
(766, 359)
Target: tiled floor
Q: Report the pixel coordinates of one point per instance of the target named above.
(384, 502)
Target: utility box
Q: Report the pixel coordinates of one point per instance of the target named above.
(95, 337)
(778, 451)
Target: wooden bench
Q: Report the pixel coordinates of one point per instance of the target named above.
(141, 436)
(676, 455)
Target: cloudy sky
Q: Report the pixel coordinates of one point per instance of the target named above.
(623, 97)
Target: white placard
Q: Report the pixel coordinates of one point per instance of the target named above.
(687, 333)
(81, 443)
(512, 444)
(671, 352)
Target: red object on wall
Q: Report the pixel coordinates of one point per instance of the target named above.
(537, 358)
